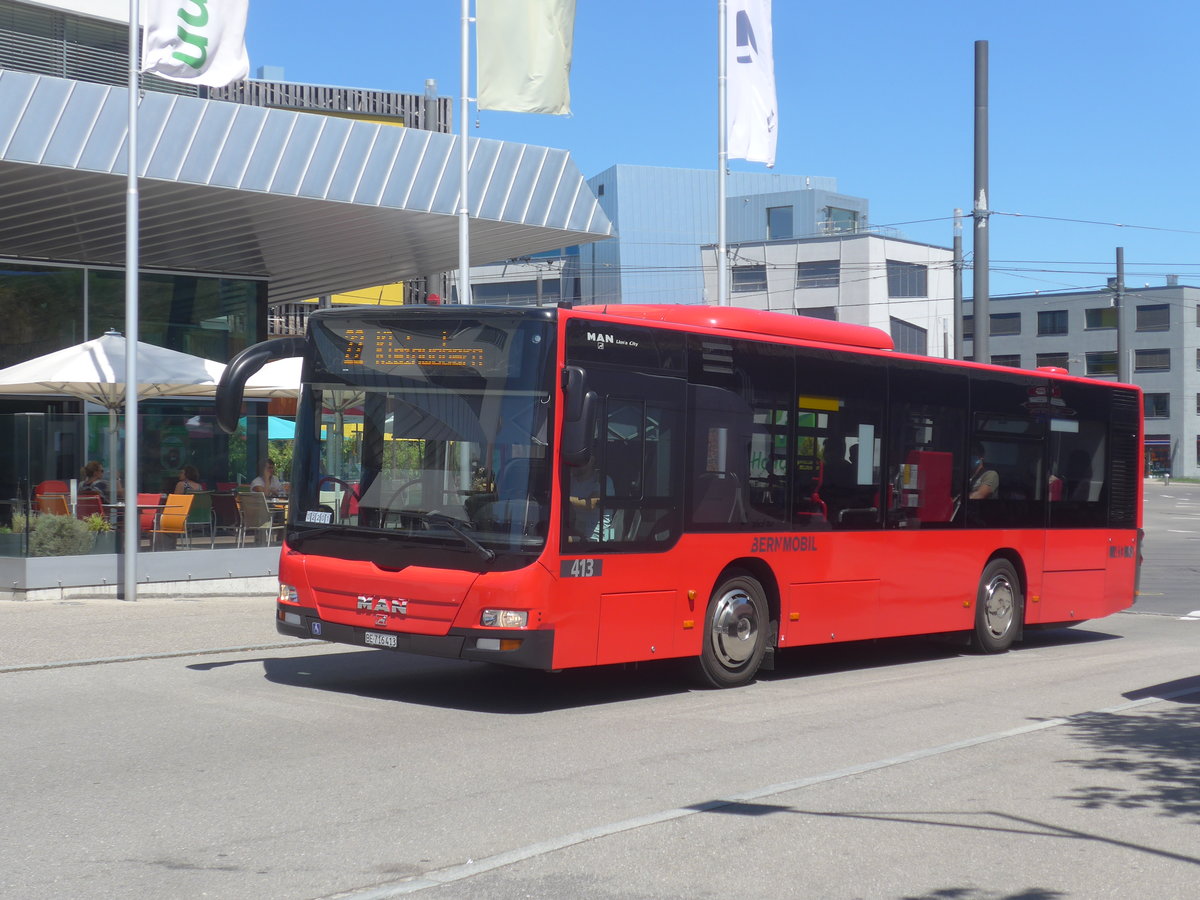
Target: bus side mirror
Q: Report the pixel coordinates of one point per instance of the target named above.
(233, 380)
(580, 407)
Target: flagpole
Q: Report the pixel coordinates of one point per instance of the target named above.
(722, 156)
(464, 209)
(131, 316)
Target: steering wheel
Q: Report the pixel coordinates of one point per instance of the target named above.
(329, 478)
(400, 490)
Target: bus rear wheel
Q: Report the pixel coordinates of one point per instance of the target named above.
(998, 608)
(735, 633)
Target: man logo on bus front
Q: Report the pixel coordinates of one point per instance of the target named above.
(393, 606)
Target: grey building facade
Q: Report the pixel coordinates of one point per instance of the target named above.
(1078, 332)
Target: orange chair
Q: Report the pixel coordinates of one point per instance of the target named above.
(173, 519)
(54, 505)
(58, 488)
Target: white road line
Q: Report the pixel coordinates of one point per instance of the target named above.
(102, 661)
(473, 867)
(1193, 616)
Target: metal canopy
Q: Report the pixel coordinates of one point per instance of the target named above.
(314, 203)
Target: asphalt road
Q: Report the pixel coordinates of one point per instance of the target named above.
(182, 749)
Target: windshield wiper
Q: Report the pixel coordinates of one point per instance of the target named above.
(455, 525)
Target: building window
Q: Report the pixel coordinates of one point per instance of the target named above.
(1198, 404)
(1006, 323)
(599, 190)
(840, 221)
(1151, 360)
(1101, 317)
(1055, 360)
(969, 331)
(819, 312)
(1154, 317)
(1052, 321)
(907, 279)
(779, 223)
(1102, 362)
(818, 273)
(1158, 406)
(1007, 359)
(909, 338)
(749, 278)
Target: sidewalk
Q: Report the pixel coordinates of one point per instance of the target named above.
(100, 628)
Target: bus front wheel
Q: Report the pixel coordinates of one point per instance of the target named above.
(998, 607)
(735, 633)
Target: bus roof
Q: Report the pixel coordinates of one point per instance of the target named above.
(752, 322)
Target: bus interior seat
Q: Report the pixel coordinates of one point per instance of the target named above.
(719, 499)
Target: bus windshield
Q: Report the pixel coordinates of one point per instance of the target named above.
(431, 428)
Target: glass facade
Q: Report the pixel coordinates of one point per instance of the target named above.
(47, 308)
(42, 474)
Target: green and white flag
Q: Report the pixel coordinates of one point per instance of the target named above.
(197, 41)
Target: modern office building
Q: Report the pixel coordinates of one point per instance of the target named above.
(663, 217)
(795, 245)
(899, 286)
(1078, 332)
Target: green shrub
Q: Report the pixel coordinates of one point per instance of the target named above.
(60, 536)
(97, 524)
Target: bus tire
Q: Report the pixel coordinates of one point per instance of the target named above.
(999, 607)
(735, 633)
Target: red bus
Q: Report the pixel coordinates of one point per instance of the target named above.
(563, 487)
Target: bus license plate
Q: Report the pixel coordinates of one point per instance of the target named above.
(381, 640)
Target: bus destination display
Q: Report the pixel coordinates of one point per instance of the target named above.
(381, 348)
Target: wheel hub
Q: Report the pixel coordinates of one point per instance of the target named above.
(734, 629)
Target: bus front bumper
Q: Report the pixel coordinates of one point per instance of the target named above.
(526, 649)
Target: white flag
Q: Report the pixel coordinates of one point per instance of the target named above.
(750, 79)
(524, 54)
(198, 41)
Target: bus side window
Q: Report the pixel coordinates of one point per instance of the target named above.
(925, 448)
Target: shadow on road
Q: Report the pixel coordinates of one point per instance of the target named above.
(481, 687)
(1150, 754)
(471, 686)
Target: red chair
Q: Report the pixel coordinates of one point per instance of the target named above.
(147, 511)
(88, 505)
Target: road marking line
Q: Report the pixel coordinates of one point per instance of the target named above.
(1193, 616)
(174, 654)
(473, 867)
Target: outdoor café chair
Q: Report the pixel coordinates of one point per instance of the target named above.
(256, 516)
(173, 518)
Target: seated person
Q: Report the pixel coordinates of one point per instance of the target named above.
(93, 481)
(584, 499)
(189, 481)
(268, 483)
(984, 481)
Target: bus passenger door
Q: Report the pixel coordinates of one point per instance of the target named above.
(623, 503)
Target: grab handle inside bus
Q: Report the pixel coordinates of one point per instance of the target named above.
(580, 407)
(233, 380)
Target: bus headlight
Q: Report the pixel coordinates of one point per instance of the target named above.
(288, 594)
(504, 618)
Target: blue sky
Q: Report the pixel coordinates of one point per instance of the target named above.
(1092, 110)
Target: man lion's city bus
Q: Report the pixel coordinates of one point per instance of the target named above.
(563, 487)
